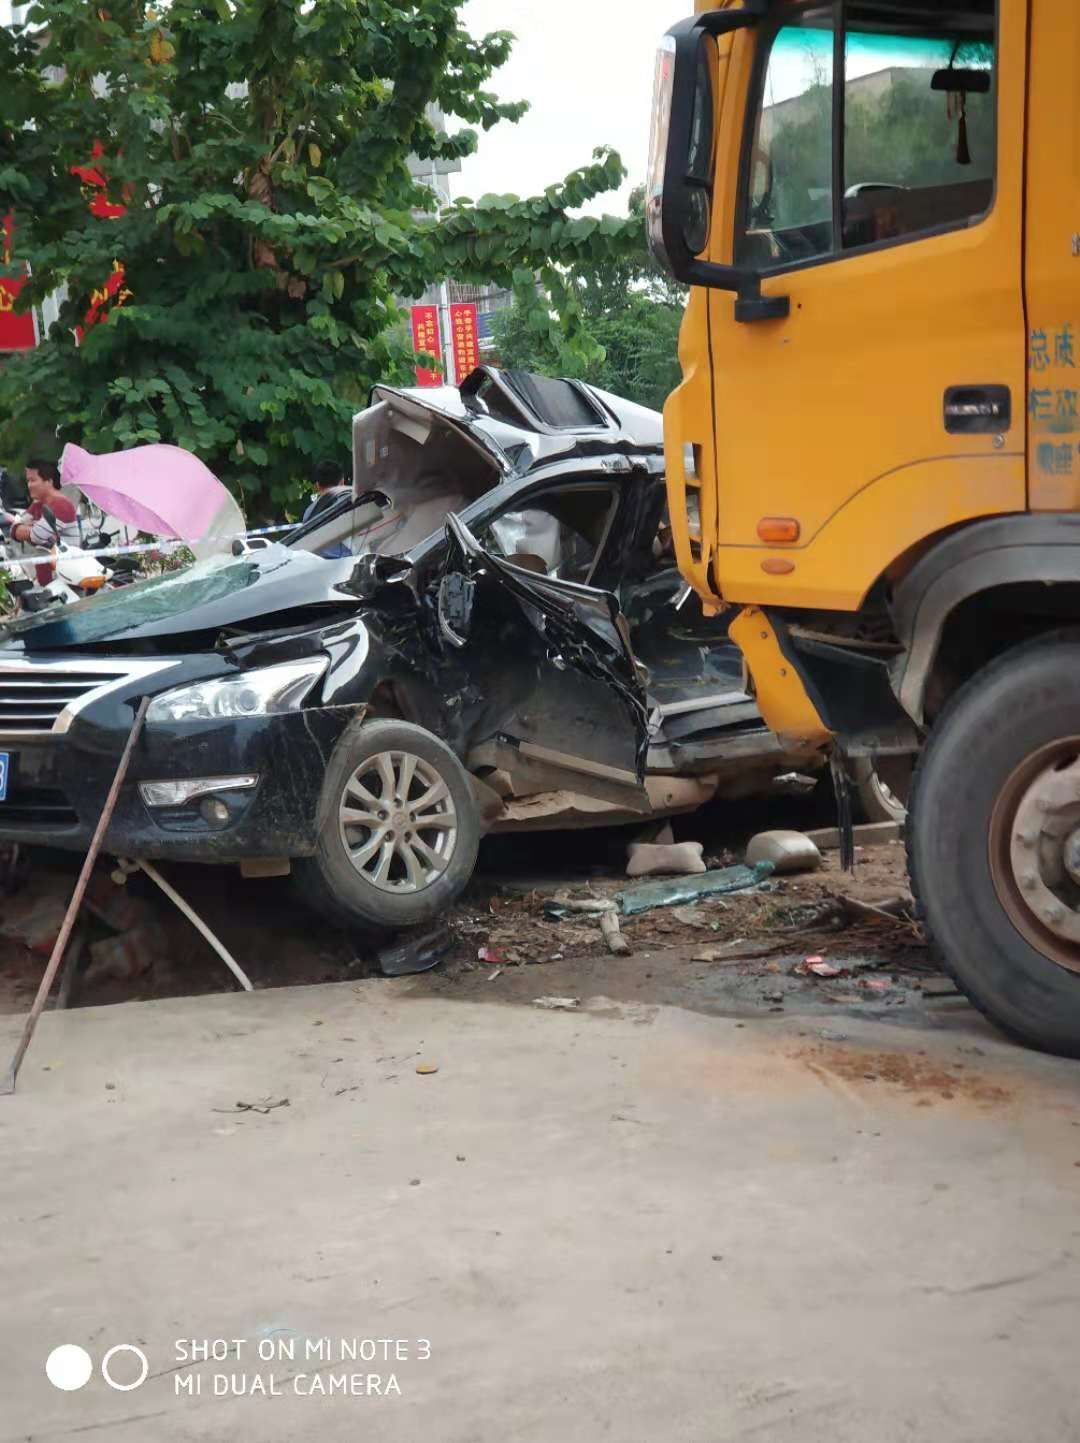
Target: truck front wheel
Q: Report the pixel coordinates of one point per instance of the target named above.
(994, 841)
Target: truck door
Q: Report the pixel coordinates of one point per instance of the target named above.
(880, 189)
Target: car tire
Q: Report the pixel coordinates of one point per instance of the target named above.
(882, 787)
(384, 862)
(995, 755)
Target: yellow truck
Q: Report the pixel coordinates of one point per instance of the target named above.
(874, 454)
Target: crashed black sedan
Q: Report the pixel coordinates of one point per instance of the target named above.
(507, 646)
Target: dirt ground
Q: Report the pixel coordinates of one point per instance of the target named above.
(744, 954)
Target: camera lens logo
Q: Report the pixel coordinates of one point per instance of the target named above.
(69, 1367)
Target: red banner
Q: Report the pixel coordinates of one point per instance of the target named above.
(16, 332)
(95, 188)
(465, 329)
(425, 337)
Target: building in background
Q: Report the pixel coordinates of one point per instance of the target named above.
(463, 314)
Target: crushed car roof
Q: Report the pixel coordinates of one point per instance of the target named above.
(521, 419)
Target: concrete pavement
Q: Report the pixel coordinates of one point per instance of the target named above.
(628, 1222)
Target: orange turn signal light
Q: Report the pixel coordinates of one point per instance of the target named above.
(778, 530)
(91, 583)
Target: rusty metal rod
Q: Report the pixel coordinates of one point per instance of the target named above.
(60, 946)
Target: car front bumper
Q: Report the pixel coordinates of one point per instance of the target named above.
(63, 757)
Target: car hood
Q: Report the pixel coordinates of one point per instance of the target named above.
(211, 595)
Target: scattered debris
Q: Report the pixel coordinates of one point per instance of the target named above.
(737, 950)
(34, 920)
(557, 1004)
(264, 1106)
(497, 973)
(818, 967)
(670, 894)
(896, 909)
(425, 1069)
(787, 851)
(609, 926)
(696, 916)
(562, 905)
(872, 834)
(939, 986)
(490, 954)
(415, 954)
(114, 903)
(130, 955)
(682, 859)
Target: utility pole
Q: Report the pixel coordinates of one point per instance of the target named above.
(446, 331)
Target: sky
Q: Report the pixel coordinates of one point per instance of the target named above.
(587, 70)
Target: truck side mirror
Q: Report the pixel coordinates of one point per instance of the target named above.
(678, 207)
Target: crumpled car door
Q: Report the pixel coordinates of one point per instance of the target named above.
(581, 627)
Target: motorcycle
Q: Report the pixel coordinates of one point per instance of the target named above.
(76, 575)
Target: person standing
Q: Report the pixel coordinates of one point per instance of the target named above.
(330, 486)
(43, 484)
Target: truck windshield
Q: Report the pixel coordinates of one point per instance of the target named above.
(917, 146)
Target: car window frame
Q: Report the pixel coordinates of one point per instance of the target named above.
(528, 499)
(766, 39)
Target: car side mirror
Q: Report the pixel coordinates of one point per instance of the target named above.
(456, 593)
(372, 572)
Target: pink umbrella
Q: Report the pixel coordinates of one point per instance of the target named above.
(163, 490)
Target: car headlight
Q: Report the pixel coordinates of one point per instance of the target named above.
(260, 692)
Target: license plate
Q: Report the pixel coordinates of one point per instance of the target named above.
(5, 768)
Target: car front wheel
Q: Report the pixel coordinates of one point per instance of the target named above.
(399, 829)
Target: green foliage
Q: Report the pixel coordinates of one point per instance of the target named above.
(626, 314)
(260, 147)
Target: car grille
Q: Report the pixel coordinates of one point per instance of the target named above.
(45, 809)
(33, 698)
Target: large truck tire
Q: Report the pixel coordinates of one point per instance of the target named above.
(993, 841)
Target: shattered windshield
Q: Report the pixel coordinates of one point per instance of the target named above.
(108, 613)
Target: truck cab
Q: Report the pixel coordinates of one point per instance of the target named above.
(874, 454)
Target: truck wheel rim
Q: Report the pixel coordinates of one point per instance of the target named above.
(397, 822)
(1035, 851)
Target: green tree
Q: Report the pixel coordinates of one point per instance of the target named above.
(630, 312)
(260, 149)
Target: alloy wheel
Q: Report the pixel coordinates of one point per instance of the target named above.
(397, 822)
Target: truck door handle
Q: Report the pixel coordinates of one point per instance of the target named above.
(977, 410)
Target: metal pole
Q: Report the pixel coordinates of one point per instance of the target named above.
(60, 946)
(442, 308)
(447, 330)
